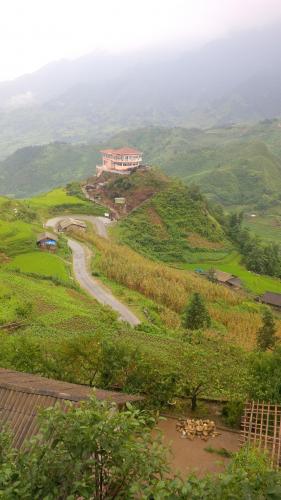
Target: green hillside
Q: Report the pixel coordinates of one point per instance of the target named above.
(235, 165)
(174, 225)
(37, 169)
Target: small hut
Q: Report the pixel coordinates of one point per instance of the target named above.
(271, 299)
(47, 241)
(70, 223)
(23, 395)
(227, 279)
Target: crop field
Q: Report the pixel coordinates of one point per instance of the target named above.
(58, 200)
(16, 237)
(267, 227)
(56, 310)
(41, 263)
(235, 316)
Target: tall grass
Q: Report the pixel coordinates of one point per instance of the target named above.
(232, 313)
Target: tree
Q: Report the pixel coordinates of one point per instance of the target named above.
(265, 376)
(212, 369)
(196, 314)
(90, 451)
(266, 335)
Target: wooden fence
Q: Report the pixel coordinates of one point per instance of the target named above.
(261, 427)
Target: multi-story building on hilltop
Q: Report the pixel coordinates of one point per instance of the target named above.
(122, 160)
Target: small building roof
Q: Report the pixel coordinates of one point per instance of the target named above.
(69, 221)
(222, 276)
(271, 298)
(122, 151)
(22, 395)
(46, 236)
(234, 282)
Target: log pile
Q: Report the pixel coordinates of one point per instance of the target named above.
(190, 428)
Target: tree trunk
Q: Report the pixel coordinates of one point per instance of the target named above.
(193, 402)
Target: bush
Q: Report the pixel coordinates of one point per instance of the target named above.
(232, 413)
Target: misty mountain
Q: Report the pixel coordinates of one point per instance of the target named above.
(89, 99)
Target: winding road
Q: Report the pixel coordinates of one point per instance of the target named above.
(81, 255)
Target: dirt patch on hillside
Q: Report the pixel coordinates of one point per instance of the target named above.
(195, 240)
(190, 456)
(4, 259)
(135, 188)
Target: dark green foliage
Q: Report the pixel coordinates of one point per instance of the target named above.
(82, 456)
(266, 335)
(90, 451)
(232, 413)
(74, 189)
(258, 257)
(265, 376)
(219, 451)
(196, 314)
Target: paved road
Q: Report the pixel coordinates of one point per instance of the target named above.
(99, 223)
(84, 278)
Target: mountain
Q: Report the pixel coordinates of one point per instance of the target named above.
(234, 165)
(91, 98)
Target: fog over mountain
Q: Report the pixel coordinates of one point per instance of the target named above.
(233, 79)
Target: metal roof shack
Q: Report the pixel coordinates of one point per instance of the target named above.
(47, 242)
(70, 223)
(41, 238)
(227, 279)
(272, 299)
(23, 395)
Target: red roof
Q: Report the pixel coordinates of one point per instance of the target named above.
(122, 151)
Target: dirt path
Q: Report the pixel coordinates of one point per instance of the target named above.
(82, 274)
(190, 456)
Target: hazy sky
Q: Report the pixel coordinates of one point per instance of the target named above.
(35, 32)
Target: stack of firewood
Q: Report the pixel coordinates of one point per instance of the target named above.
(190, 428)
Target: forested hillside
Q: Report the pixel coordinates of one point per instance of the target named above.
(238, 165)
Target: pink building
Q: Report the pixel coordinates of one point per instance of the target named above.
(119, 160)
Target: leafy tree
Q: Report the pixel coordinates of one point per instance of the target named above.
(196, 314)
(265, 376)
(219, 370)
(266, 335)
(93, 452)
(90, 451)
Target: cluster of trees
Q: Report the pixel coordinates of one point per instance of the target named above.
(79, 454)
(259, 257)
(184, 369)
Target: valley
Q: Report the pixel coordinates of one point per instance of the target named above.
(140, 250)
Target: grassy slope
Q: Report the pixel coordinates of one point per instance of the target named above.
(41, 263)
(253, 282)
(58, 201)
(57, 310)
(173, 225)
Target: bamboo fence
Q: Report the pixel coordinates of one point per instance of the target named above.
(261, 427)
